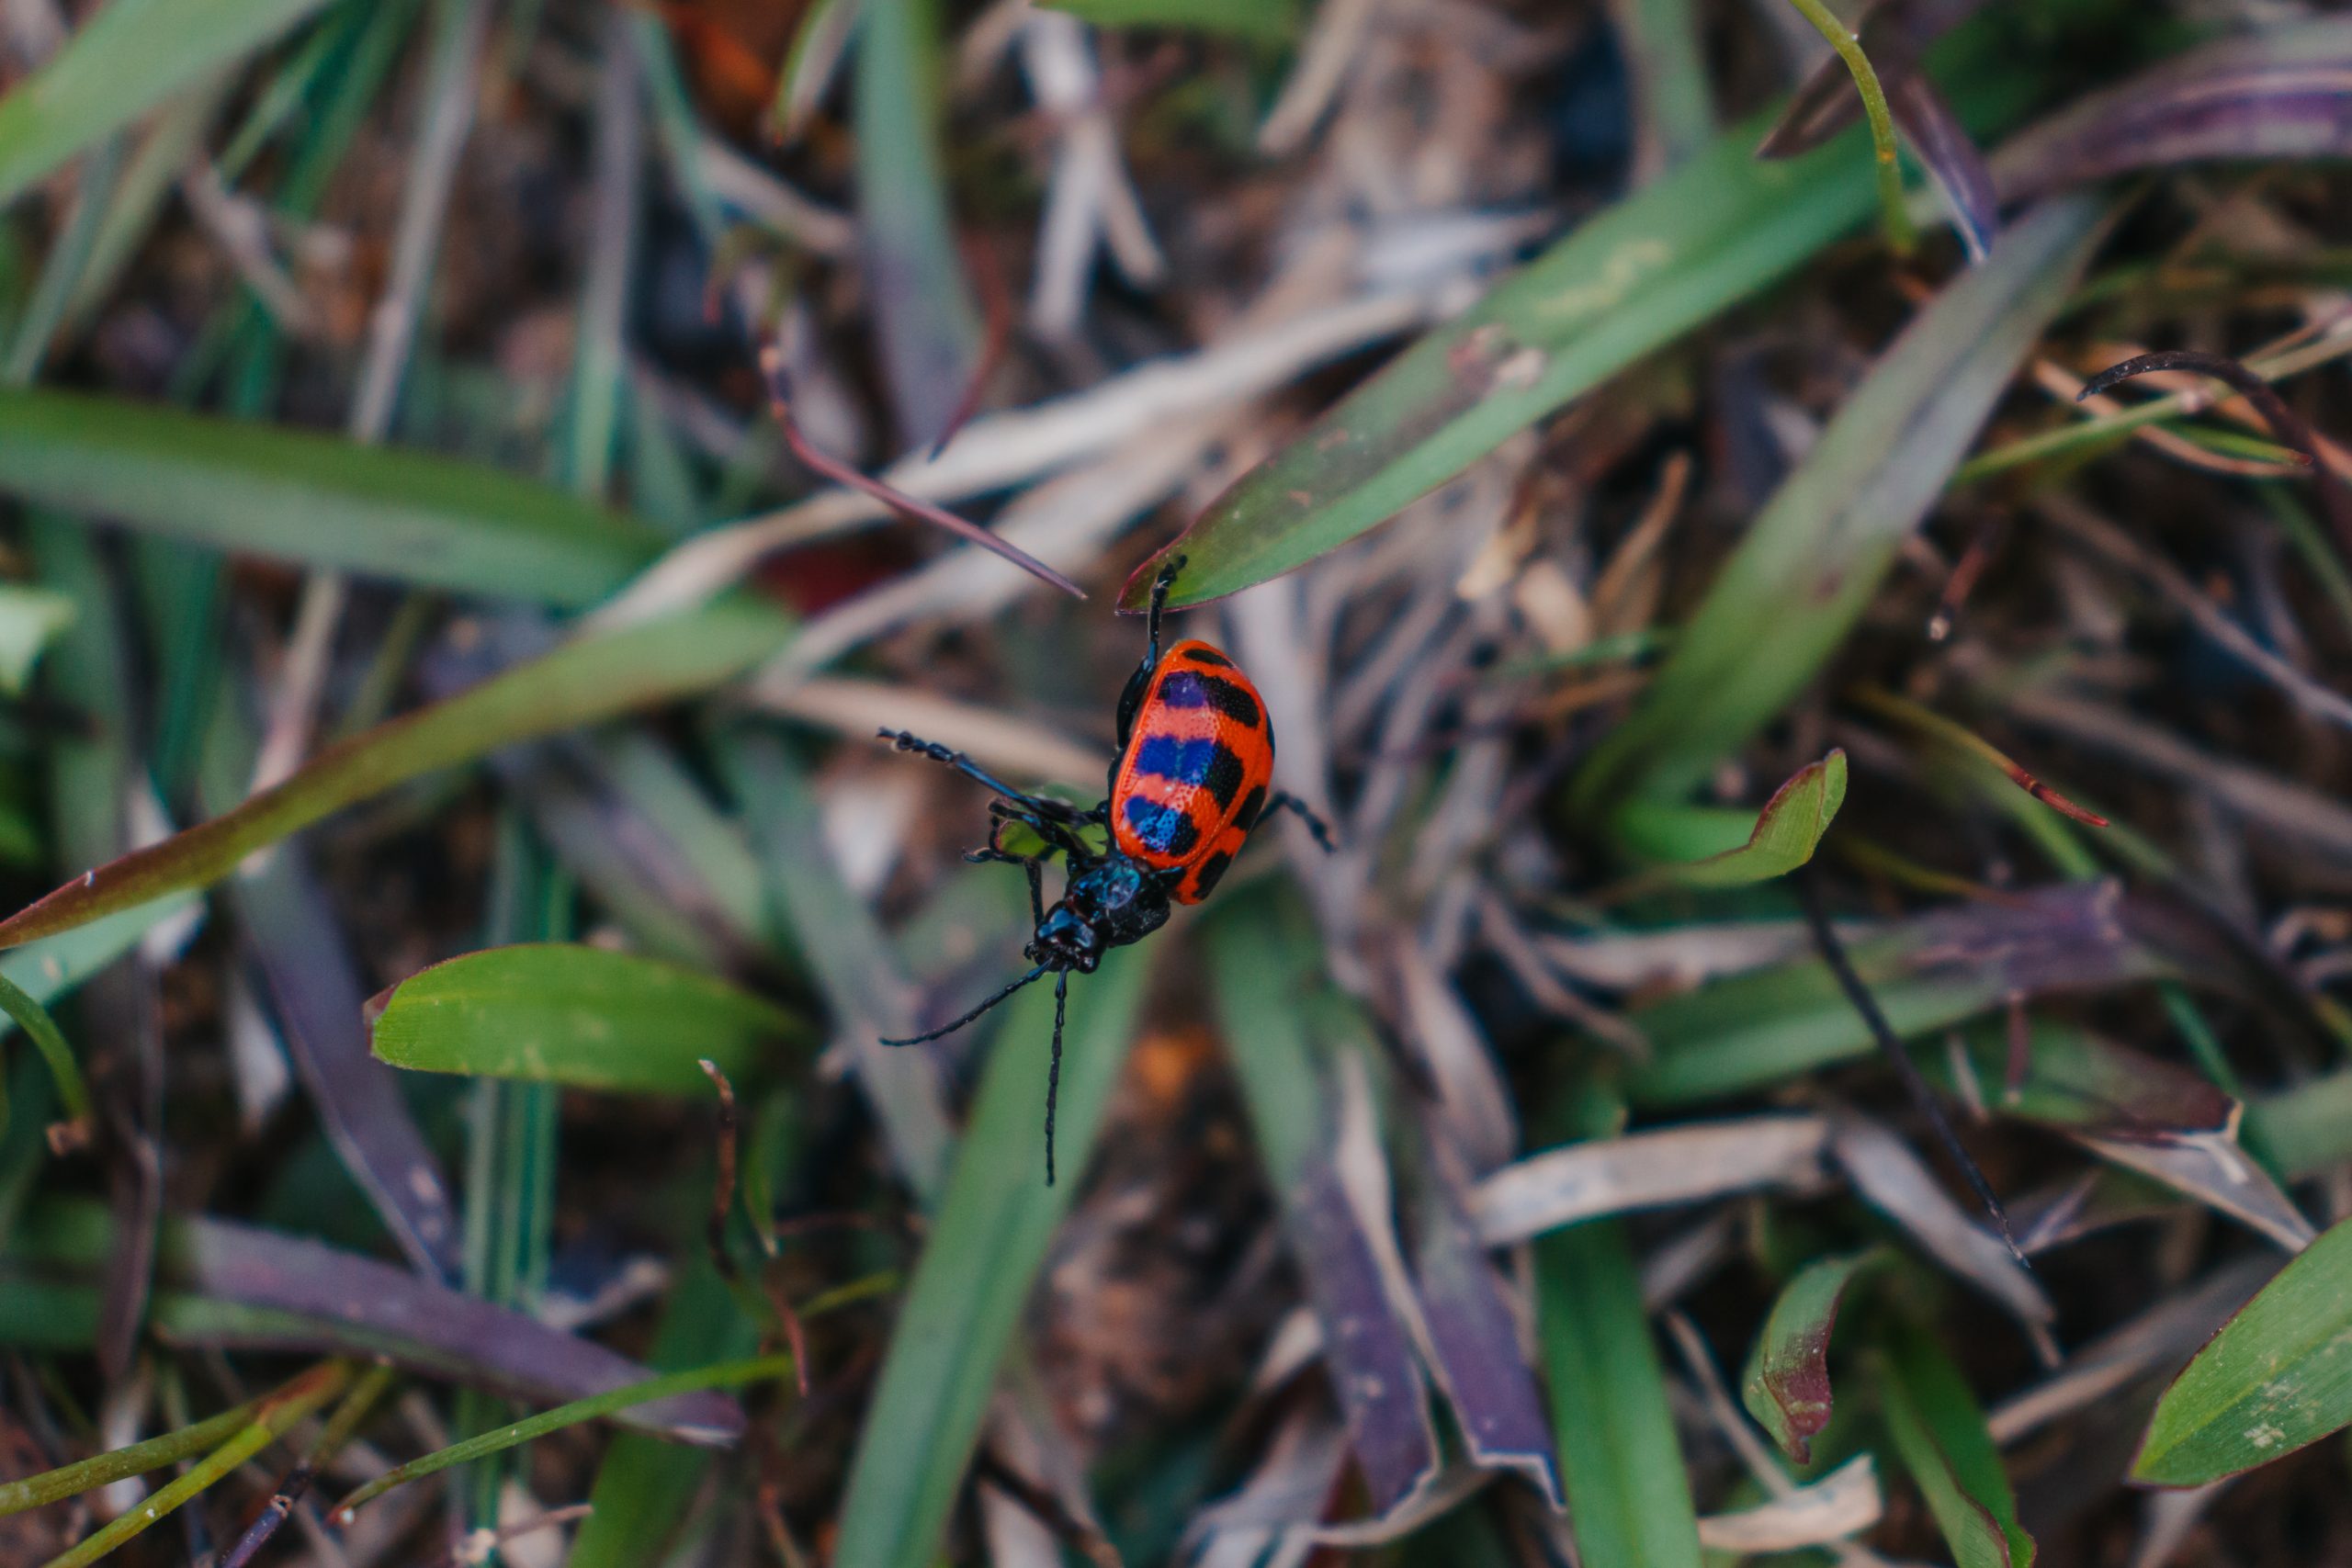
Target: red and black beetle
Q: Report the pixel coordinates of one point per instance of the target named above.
(1191, 777)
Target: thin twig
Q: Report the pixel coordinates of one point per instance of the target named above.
(1833, 953)
(2335, 495)
(722, 1203)
(355, 1405)
(898, 501)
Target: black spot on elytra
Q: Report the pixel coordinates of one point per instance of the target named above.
(1208, 655)
(1205, 880)
(1246, 817)
(1232, 701)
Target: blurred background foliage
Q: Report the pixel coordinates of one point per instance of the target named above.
(1821, 1039)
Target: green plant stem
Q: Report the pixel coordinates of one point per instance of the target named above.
(272, 1415)
(725, 1374)
(42, 1031)
(1899, 230)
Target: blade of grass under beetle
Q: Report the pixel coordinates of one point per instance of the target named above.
(236, 1285)
(1750, 1030)
(1786, 1387)
(986, 1240)
(1266, 960)
(130, 56)
(583, 1016)
(316, 500)
(1939, 1432)
(2277, 1377)
(1626, 283)
(2273, 94)
(1832, 531)
(1629, 1496)
(580, 683)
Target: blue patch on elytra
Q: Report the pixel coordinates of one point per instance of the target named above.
(1175, 760)
(1162, 829)
(1184, 689)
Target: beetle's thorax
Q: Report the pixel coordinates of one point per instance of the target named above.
(1108, 905)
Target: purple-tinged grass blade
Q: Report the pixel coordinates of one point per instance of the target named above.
(1264, 960)
(1951, 158)
(1474, 1338)
(2277, 94)
(1786, 1384)
(221, 1283)
(2145, 1115)
(318, 997)
(1759, 1028)
(1368, 1350)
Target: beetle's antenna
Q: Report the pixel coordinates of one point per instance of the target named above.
(951, 1028)
(1054, 1072)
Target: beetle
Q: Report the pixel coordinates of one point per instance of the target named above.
(1192, 776)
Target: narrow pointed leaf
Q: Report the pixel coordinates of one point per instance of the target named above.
(131, 56)
(594, 677)
(1629, 1496)
(583, 1016)
(1939, 1432)
(219, 1283)
(315, 500)
(2277, 1377)
(2279, 93)
(1804, 574)
(1750, 1030)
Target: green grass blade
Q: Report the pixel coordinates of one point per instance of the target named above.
(49, 1041)
(726, 1374)
(130, 57)
(583, 1017)
(644, 1487)
(1940, 1433)
(594, 677)
(1621, 285)
(1813, 562)
(987, 1242)
(2277, 1377)
(315, 500)
(116, 1464)
(1629, 1498)
(29, 618)
(277, 1413)
(923, 313)
(1275, 23)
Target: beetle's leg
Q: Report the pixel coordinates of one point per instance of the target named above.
(1285, 801)
(1059, 833)
(1036, 805)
